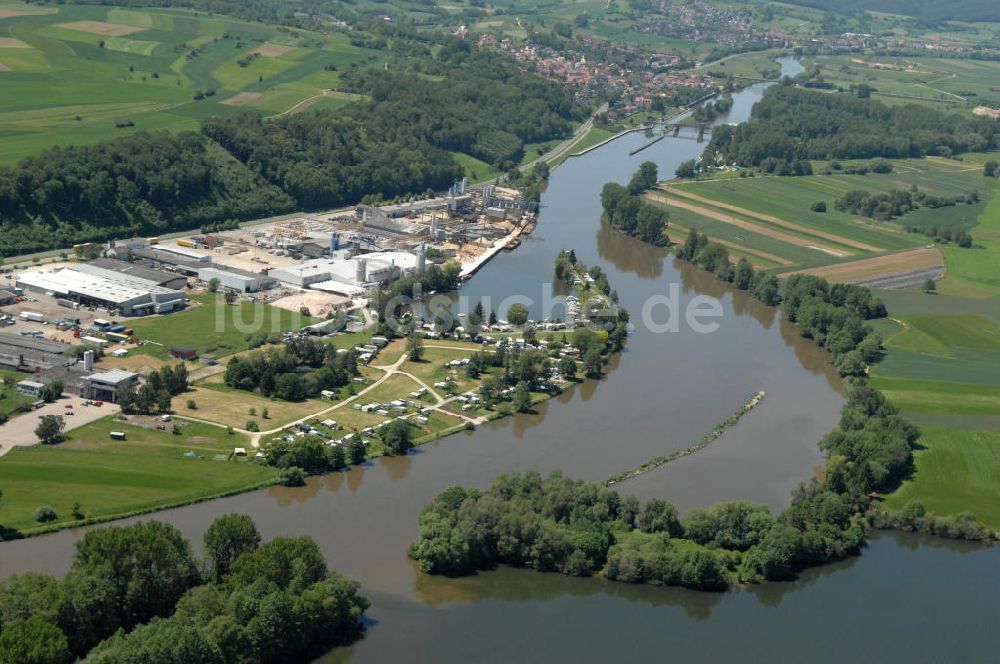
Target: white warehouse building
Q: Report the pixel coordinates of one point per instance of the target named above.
(239, 280)
(88, 284)
(349, 275)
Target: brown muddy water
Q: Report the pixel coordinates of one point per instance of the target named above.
(906, 598)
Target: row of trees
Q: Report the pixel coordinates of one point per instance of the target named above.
(792, 124)
(137, 594)
(275, 371)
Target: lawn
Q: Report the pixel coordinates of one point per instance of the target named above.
(218, 402)
(958, 472)
(211, 326)
(151, 469)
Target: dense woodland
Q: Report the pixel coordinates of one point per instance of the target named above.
(146, 183)
(792, 124)
(137, 594)
(276, 371)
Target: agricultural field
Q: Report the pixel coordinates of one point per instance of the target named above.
(959, 471)
(770, 220)
(936, 81)
(211, 326)
(110, 478)
(942, 368)
(75, 74)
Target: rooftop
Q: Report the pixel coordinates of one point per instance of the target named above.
(112, 376)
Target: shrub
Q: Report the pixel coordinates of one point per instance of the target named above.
(45, 514)
(292, 476)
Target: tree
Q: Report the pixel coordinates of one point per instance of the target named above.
(396, 436)
(33, 641)
(355, 450)
(230, 296)
(229, 537)
(687, 169)
(991, 168)
(592, 362)
(517, 314)
(49, 429)
(929, 286)
(644, 179)
(213, 285)
(415, 347)
(818, 206)
(567, 367)
(522, 397)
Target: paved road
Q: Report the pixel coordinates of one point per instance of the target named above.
(19, 431)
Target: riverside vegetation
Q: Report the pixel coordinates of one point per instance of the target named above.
(137, 594)
(577, 528)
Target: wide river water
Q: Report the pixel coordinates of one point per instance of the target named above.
(907, 598)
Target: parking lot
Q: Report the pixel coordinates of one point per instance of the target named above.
(20, 430)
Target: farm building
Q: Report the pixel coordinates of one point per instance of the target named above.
(92, 285)
(183, 353)
(104, 386)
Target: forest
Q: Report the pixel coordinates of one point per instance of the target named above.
(792, 124)
(146, 183)
(274, 372)
(137, 594)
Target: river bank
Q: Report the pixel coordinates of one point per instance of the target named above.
(660, 394)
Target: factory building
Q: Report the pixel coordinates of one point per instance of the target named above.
(25, 353)
(92, 285)
(236, 279)
(183, 253)
(159, 277)
(349, 275)
(104, 386)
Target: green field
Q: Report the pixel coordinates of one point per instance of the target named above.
(973, 272)
(110, 478)
(211, 326)
(959, 471)
(789, 199)
(72, 85)
(937, 81)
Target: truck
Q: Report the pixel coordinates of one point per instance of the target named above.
(114, 328)
(69, 304)
(32, 316)
(117, 435)
(186, 243)
(115, 336)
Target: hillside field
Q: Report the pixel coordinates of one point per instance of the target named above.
(83, 74)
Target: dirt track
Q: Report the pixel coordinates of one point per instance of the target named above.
(749, 226)
(879, 267)
(777, 221)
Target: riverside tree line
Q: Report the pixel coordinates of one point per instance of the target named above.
(138, 594)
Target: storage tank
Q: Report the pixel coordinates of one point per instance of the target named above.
(88, 360)
(360, 270)
(421, 259)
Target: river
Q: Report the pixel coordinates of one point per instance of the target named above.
(662, 394)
